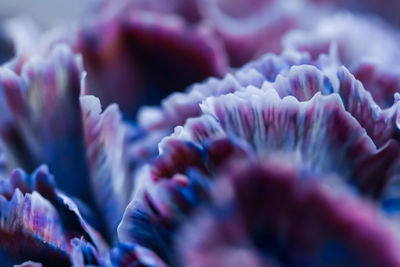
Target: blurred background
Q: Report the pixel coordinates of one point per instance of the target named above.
(50, 12)
(45, 12)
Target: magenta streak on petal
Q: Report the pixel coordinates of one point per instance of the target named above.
(125, 255)
(69, 220)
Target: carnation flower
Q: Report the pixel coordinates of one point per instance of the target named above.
(201, 133)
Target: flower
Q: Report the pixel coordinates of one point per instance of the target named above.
(243, 158)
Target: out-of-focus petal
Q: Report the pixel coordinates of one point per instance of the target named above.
(276, 213)
(388, 11)
(83, 253)
(130, 255)
(152, 221)
(251, 28)
(111, 181)
(349, 33)
(319, 133)
(44, 101)
(366, 46)
(180, 106)
(29, 264)
(6, 46)
(146, 56)
(188, 9)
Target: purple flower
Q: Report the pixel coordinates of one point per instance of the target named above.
(301, 115)
(164, 154)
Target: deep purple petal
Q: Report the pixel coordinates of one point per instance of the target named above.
(278, 211)
(135, 63)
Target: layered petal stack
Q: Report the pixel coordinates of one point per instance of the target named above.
(202, 133)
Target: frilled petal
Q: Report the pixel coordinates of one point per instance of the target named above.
(146, 56)
(31, 229)
(273, 213)
(180, 106)
(44, 101)
(317, 134)
(304, 81)
(380, 124)
(110, 178)
(366, 46)
(153, 220)
(52, 209)
(157, 122)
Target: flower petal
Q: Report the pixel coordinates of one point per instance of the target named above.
(277, 211)
(143, 50)
(111, 181)
(44, 101)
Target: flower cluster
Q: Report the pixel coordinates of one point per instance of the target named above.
(235, 133)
